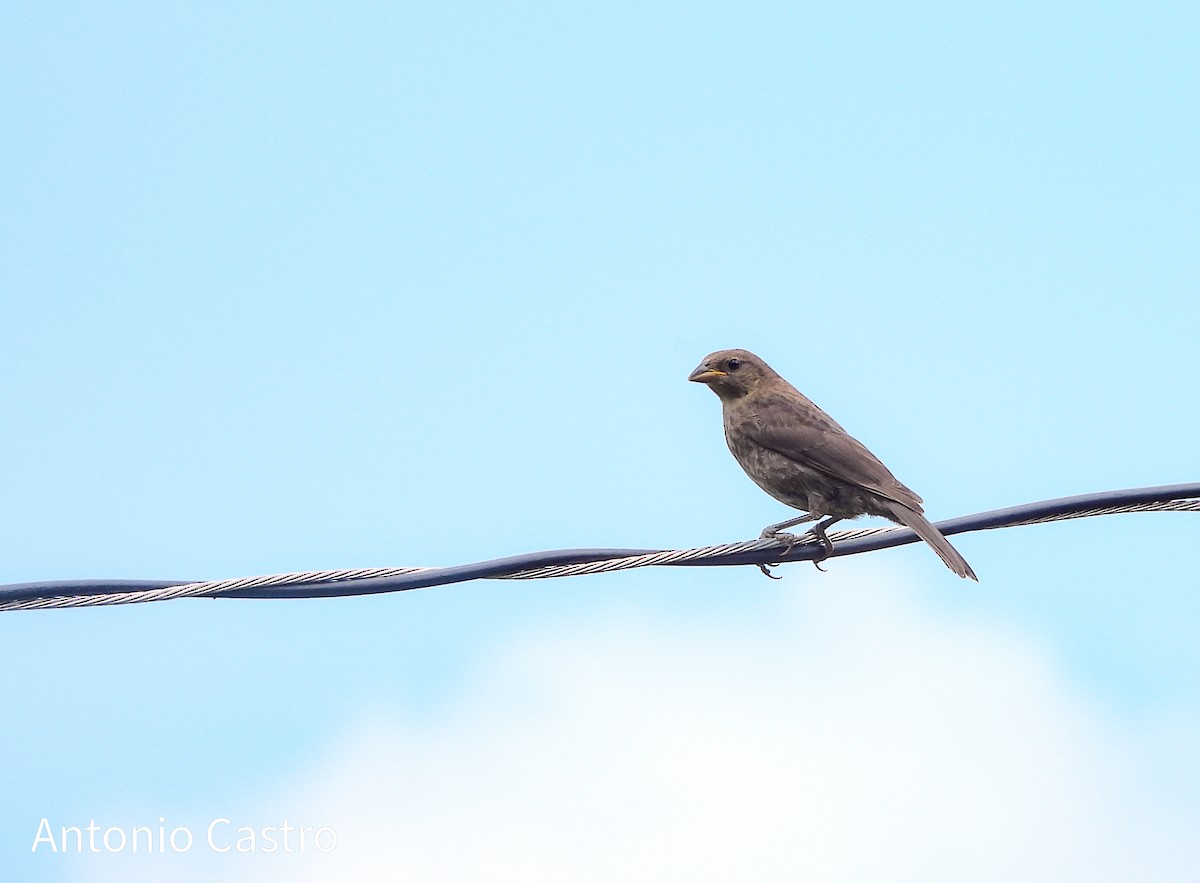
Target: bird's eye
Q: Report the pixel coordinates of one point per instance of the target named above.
(733, 364)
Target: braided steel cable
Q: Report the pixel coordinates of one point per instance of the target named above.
(578, 562)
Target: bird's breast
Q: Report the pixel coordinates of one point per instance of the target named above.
(781, 477)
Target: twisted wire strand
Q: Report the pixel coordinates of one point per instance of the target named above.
(1164, 506)
(685, 555)
(208, 589)
(579, 562)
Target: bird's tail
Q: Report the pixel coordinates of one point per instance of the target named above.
(933, 536)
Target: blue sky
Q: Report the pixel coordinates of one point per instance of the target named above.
(308, 286)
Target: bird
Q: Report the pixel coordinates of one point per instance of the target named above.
(802, 457)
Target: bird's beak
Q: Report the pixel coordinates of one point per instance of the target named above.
(704, 374)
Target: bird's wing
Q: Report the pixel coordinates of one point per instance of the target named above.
(801, 431)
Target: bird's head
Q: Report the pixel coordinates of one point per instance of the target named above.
(732, 374)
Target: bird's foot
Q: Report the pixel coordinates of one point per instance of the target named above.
(781, 536)
(788, 540)
(826, 546)
(765, 568)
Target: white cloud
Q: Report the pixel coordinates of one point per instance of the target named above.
(856, 736)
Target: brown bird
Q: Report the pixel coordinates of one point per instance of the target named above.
(800, 456)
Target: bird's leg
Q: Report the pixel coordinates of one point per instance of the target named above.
(772, 530)
(778, 532)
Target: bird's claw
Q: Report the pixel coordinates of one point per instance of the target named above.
(780, 536)
(767, 573)
(826, 547)
(790, 539)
